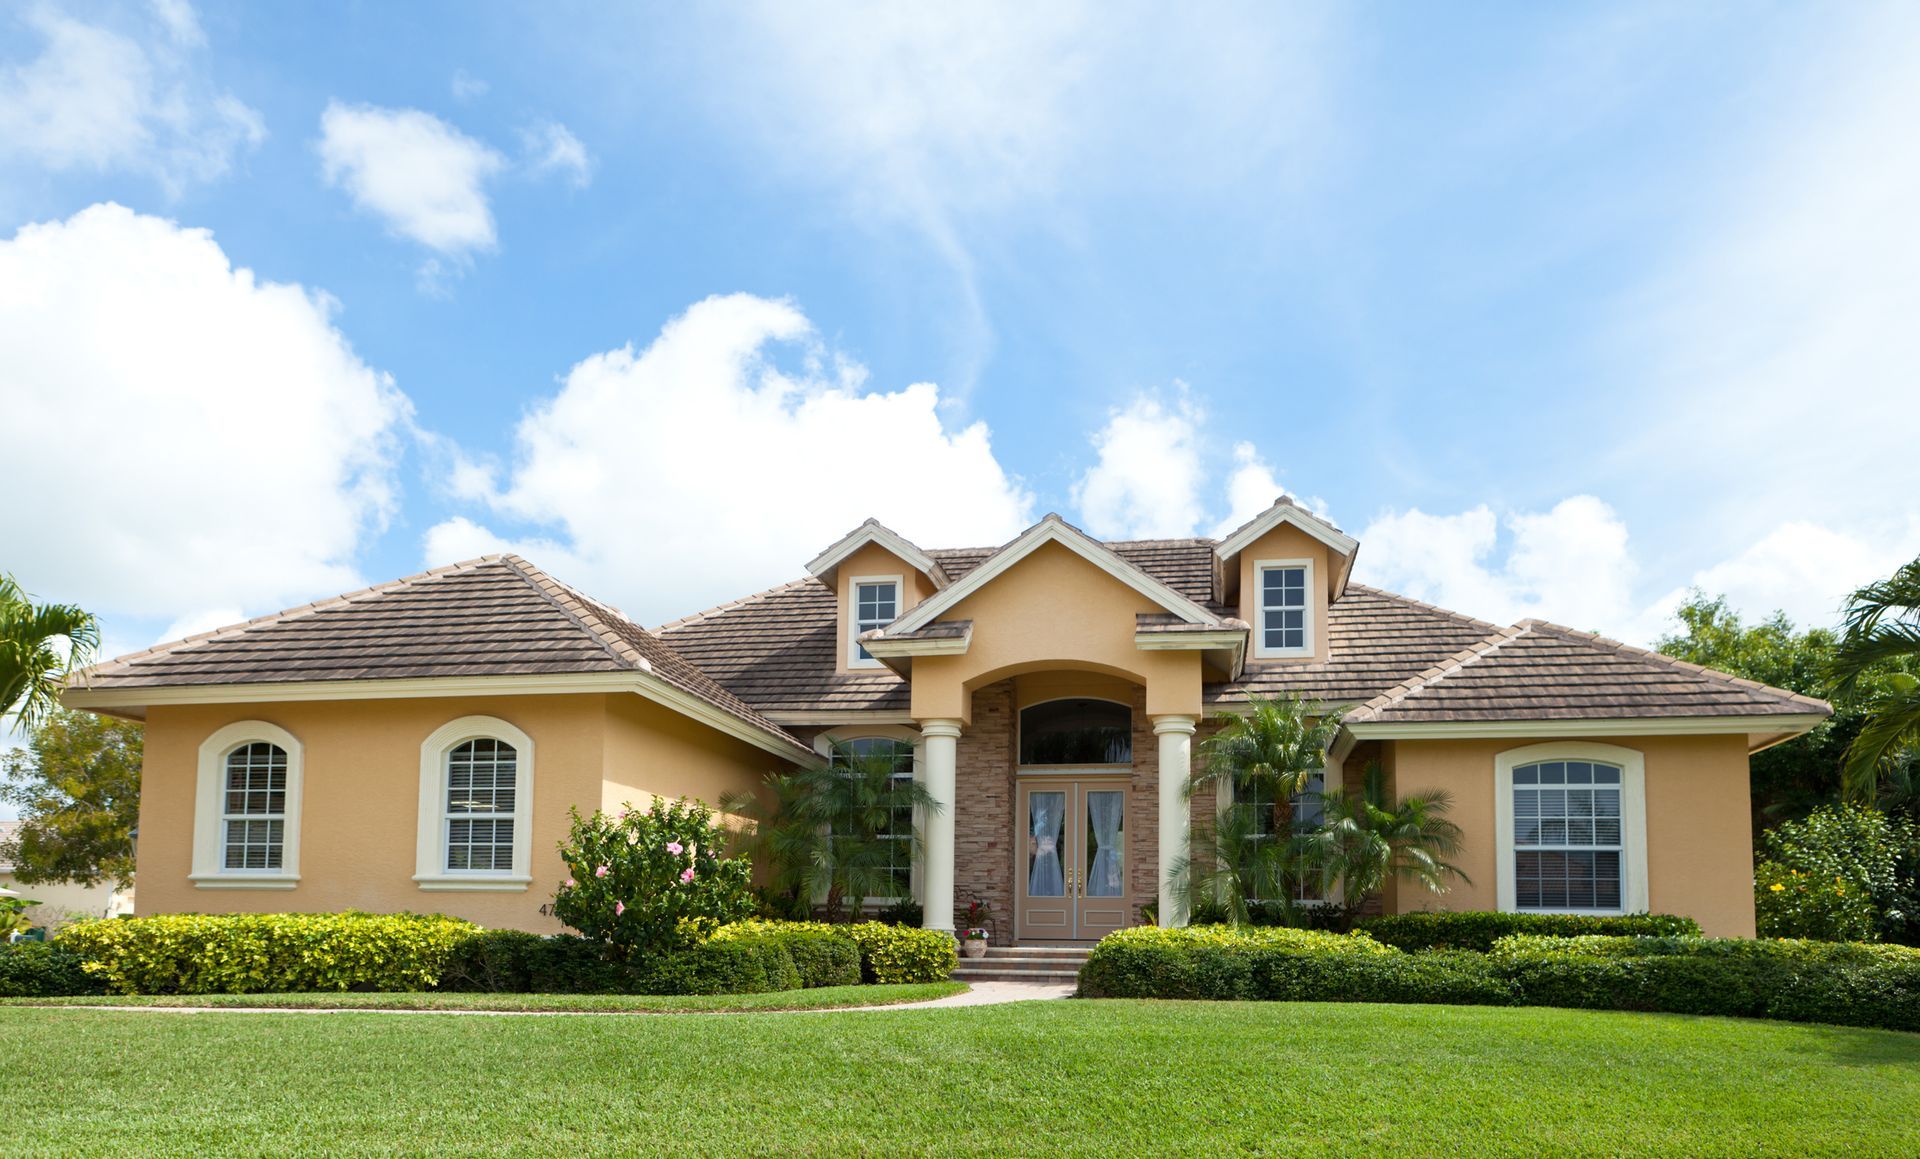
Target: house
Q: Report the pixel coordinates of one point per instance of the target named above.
(60, 902)
(417, 745)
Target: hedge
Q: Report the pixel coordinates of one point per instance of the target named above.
(43, 970)
(256, 953)
(1845, 984)
(1479, 930)
(888, 954)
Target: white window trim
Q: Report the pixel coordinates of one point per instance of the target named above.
(1633, 818)
(1223, 798)
(853, 614)
(1309, 616)
(431, 848)
(209, 794)
(823, 744)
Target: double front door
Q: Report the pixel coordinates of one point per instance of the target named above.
(1073, 856)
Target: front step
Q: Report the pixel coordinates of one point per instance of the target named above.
(1053, 965)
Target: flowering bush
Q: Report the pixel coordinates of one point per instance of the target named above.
(653, 882)
(1837, 876)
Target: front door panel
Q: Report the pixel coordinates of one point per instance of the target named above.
(1073, 859)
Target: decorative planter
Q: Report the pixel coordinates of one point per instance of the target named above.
(974, 947)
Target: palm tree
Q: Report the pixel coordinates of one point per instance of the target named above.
(832, 833)
(1265, 757)
(1882, 631)
(39, 645)
(1362, 843)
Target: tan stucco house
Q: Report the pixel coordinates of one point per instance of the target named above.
(416, 746)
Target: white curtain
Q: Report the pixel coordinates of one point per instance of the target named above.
(1045, 877)
(1105, 811)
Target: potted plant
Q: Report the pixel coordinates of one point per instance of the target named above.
(973, 932)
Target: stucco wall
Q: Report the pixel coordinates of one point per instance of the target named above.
(871, 562)
(1699, 837)
(62, 902)
(1287, 542)
(360, 797)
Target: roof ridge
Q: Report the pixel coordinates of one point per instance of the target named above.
(730, 605)
(581, 609)
(1431, 676)
(168, 646)
(1424, 606)
(1609, 644)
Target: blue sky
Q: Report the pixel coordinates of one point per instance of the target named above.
(1561, 309)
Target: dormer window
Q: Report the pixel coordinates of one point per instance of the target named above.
(1285, 624)
(876, 603)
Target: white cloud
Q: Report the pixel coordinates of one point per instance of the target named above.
(467, 87)
(99, 98)
(1569, 564)
(698, 468)
(1146, 483)
(552, 148)
(421, 176)
(243, 451)
(1801, 568)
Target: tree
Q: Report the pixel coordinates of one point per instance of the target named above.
(1789, 780)
(1265, 757)
(1364, 842)
(39, 645)
(832, 834)
(1874, 666)
(77, 785)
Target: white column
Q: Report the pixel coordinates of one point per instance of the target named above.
(1176, 821)
(939, 751)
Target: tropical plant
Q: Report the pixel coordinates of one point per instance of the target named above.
(13, 915)
(39, 645)
(1845, 874)
(1881, 630)
(1364, 841)
(647, 883)
(832, 833)
(1260, 759)
(77, 786)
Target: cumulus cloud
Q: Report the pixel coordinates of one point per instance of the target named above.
(1569, 564)
(105, 97)
(551, 147)
(1801, 568)
(423, 178)
(1147, 479)
(248, 451)
(702, 466)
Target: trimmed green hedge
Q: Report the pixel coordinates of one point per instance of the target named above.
(1478, 930)
(256, 953)
(1841, 983)
(888, 954)
(43, 970)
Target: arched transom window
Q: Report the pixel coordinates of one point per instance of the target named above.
(1076, 731)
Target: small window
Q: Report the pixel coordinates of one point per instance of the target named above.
(1568, 844)
(876, 603)
(254, 814)
(482, 791)
(899, 827)
(1304, 814)
(1077, 731)
(1285, 623)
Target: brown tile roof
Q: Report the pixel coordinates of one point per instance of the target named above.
(1541, 671)
(494, 616)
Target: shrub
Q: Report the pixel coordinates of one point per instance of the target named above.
(822, 955)
(1205, 961)
(743, 964)
(1479, 930)
(1842, 874)
(888, 954)
(256, 953)
(511, 961)
(43, 970)
(648, 883)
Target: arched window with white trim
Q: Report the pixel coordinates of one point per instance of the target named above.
(254, 815)
(476, 796)
(246, 825)
(1572, 829)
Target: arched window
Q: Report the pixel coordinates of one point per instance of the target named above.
(253, 815)
(476, 807)
(898, 831)
(246, 812)
(1076, 731)
(1572, 820)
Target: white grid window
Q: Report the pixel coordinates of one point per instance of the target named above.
(1306, 810)
(899, 830)
(876, 604)
(1283, 610)
(254, 813)
(482, 788)
(1568, 843)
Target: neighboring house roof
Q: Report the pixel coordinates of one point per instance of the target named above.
(1538, 671)
(490, 617)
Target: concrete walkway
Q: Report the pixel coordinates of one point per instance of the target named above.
(981, 994)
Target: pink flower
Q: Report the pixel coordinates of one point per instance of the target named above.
(571, 883)
(675, 848)
(686, 874)
(619, 907)
(600, 872)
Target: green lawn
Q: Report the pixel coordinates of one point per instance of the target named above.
(1056, 1078)
(823, 998)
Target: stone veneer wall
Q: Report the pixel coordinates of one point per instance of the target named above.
(983, 820)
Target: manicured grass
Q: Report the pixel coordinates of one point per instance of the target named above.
(823, 998)
(1059, 1078)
